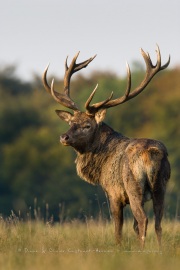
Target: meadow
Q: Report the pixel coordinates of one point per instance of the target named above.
(89, 245)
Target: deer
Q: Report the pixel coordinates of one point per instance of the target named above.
(129, 170)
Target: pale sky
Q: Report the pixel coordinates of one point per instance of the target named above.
(36, 32)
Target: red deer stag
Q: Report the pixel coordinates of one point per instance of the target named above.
(130, 171)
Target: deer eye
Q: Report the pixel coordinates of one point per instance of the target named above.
(87, 126)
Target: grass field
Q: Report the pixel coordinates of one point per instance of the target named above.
(90, 245)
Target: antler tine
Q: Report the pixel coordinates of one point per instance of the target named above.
(87, 104)
(168, 61)
(151, 70)
(64, 99)
(60, 98)
(128, 89)
(69, 71)
(92, 109)
(45, 83)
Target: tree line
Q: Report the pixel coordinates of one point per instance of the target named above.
(37, 174)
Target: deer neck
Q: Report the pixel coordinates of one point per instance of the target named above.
(89, 162)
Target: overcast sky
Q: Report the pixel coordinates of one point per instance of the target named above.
(36, 32)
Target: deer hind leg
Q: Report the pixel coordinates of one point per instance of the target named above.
(117, 213)
(135, 227)
(135, 195)
(140, 220)
(158, 205)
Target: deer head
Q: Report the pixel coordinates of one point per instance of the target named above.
(83, 124)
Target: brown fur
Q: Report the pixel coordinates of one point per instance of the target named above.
(131, 171)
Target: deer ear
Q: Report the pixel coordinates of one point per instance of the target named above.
(66, 116)
(100, 115)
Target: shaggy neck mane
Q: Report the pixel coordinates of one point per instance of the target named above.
(89, 160)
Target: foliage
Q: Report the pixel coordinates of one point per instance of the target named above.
(34, 165)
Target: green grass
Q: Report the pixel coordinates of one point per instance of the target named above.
(90, 245)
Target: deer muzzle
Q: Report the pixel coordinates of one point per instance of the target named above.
(64, 139)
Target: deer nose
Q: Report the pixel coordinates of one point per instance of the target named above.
(64, 138)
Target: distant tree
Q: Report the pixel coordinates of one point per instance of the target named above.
(34, 165)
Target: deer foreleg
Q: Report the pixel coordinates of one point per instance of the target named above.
(117, 213)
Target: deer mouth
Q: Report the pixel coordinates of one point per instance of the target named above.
(64, 143)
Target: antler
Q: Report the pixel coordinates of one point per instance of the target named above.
(151, 70)
(64, 99)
